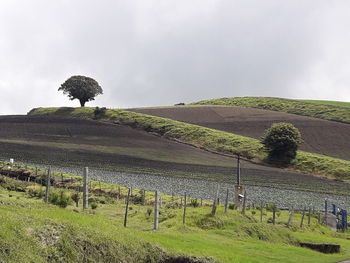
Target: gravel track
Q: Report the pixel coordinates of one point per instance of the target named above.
(206, 190)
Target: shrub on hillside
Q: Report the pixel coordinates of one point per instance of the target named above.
(282, 141)
(61, 199)
(99, 112)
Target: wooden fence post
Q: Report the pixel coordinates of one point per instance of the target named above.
(309, 217)
(274, 214)
(290, 216)
(48, 183)
(226, 201)
(213, 210)
(156, 210)
(261, 212)
(302, 218)
(184, 214)
(126, 208)
(85, 188)
(325, 211)
(244, 203)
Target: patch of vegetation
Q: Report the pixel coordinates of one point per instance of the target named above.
(328, 111)
(32, 231)
(210, 139)
(329, 102)
(282, 141)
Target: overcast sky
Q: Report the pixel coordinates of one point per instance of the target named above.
(147, 53)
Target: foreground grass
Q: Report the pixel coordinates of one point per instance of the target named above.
(326, 111)
(32, 231)
(329, 102)
(208, 139)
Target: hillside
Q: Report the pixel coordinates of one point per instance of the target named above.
(228, 144)
(321, 111)
(32, 231)
(329, 102)
(319, 136)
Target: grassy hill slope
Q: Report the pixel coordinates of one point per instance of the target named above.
(322, 111)
(329, 102)
(208, 139)
(32, 231)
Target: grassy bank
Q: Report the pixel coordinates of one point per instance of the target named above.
(208, 139)
(326, 111)
(32, 231)
(329, 102)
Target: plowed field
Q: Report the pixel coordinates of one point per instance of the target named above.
(320, 136)
(71, 142)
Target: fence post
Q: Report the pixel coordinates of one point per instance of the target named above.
(226, 201)
(325, 211)
(48, 183)
(213, 210)
(126, 208)
(290, 216)
(244, 203)
(273, 214)
(156, 210)
(184, 214)
(309, 217)
(85, 188)
(261, 212)
(302, 218)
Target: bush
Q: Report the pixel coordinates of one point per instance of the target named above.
(282, 141)
(99, 112)
(76, 197)
(61, 199)
(93, 205)
(194, 202)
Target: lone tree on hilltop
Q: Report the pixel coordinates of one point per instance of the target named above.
(82, 88)
(282, 141)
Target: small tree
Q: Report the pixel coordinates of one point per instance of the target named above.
(82, 88)
(282, 141)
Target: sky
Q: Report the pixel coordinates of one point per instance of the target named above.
(151, 53)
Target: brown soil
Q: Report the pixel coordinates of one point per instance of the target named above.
(195, 163)
(320, 136)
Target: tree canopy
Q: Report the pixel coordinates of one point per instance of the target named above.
(82, 88)
(282, 141)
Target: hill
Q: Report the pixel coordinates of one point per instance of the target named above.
(321, 111)
(227, 144)
(32, 231)
(330, 102)
(319, 136)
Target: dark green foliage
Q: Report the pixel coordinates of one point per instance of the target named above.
(282, 141)
(93, 205)
(194, 202)
(82, 88)
(76, 197)
(99, 112)
(61, 199)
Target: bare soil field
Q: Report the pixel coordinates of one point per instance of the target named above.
(320, 136)
(72, 142)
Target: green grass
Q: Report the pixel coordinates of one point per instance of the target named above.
(299, 107)
(329, 102)
(209, 139)
(32, 231)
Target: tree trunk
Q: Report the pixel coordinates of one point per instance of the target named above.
(82, 102)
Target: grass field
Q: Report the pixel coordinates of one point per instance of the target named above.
(329, 102)
(32, 231)
(322, 111)
(208, 139)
